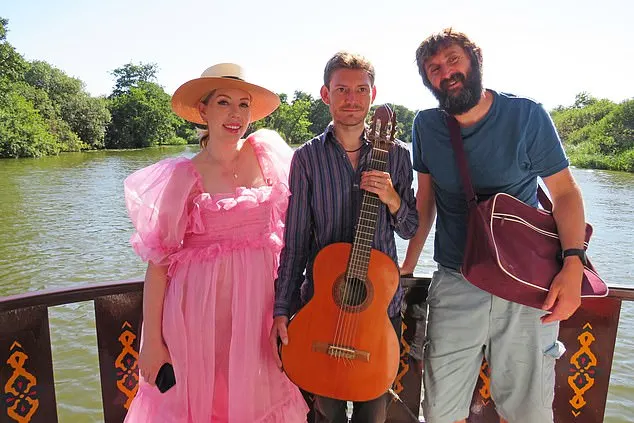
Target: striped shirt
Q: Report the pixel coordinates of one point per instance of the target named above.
(324, 206)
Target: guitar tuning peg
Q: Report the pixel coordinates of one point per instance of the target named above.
(377, 129)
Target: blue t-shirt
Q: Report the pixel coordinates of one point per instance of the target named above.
(514, 143)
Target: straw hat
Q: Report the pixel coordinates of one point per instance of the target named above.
(223, 75)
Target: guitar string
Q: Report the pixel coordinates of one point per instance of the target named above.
(379, 164)
(355, 266)
(349, 321)
(361, 257)
(344, 321)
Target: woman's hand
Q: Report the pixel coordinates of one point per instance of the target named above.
(152, 356)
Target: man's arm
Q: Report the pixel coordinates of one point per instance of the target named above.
(426, 206)
(568, 211)
(405, 219)
(397, 194)
(297, 235)
(294, 255)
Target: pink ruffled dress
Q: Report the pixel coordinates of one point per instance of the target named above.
(223, 252)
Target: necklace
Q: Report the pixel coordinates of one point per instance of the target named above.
(227, 170)
(353, 151)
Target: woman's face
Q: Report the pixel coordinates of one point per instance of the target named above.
(227, 112)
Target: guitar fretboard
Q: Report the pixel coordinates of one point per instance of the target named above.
(366, 225)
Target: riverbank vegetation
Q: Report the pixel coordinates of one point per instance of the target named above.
(43, 111)
(597, 134)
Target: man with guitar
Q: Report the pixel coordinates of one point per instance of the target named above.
(508, 142)
(330, 176)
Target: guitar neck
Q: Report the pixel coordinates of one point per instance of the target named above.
(366, 225)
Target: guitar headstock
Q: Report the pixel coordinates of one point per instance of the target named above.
(382, 128)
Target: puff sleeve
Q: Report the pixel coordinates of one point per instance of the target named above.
(156, 198)
(274, 155)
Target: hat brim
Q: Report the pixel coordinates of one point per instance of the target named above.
(186, 98)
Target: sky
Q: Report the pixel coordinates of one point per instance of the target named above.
(547, 50)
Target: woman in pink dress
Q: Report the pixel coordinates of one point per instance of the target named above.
(211, 230)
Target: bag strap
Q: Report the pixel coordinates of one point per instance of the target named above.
(543, 199)
(463, 167)
(461, 160)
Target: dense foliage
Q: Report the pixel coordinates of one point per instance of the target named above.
(597, 133)
(43, 111)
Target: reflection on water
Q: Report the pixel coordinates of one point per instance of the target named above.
(63, 221)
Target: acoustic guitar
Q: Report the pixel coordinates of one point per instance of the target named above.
(341, 343)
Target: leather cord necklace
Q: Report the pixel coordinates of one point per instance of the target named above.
(353, 151)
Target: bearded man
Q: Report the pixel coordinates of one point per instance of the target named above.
(509, 141)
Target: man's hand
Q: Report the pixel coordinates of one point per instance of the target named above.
(406, 270)
(565, 291)
(380, 183)
(278, 332)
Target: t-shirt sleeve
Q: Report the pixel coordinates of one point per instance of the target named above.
(545, 150)
(417, 147)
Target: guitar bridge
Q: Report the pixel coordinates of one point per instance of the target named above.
(339, 351)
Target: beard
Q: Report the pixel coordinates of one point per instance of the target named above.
(463, 100)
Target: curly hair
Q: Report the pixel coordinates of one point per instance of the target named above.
(441, 40)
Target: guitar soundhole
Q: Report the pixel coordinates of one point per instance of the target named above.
(352, 294)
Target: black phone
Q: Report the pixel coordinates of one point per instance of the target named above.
(165, 378)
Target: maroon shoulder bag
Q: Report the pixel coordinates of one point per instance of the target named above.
(513, 249)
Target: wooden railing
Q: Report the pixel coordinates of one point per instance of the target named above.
(582, 373)
(26, 369)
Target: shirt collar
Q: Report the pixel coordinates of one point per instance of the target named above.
(329, 134)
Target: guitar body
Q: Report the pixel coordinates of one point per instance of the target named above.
(342, 344)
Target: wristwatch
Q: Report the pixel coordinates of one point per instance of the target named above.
(579, 252)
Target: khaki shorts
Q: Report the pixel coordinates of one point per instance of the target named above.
(464, 324)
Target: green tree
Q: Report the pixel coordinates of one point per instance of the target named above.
(56, 83)
(23, 132)
(319, 116)
(84, 115)
(4, 23)
(571, 119)
(289, 120)
(66, 138)
(130, 75)
(12, 64)
(185, 131)
(142, 117)
(598, 133)
(583, 99)
(141, 111)
(404, 121)
(88, 117)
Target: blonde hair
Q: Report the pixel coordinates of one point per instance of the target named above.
(203, 133)
(203, 136)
